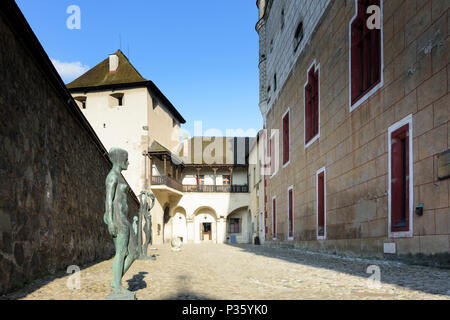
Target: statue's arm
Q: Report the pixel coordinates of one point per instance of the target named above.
(152, 196)
(111, 185)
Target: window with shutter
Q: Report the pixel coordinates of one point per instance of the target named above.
(312, 108)
(321, 204)
(291, 213)
(286, 138)
(400, 177)
(366, 55)
(272, 155)
(274, 217)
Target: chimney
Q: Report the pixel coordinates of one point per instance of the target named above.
(113, 63)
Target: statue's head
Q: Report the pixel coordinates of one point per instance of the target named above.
(119, 157)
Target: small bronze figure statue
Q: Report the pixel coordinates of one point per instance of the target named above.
(116, 218)
(145, 213)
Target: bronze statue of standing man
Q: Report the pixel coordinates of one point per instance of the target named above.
(116, 217)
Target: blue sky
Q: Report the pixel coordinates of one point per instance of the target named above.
(202, 54)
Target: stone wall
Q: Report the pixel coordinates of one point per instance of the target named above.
(52, 168)
(279, 40)
(353, 145)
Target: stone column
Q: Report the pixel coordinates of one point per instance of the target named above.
(151, 169)
(165, 165)
(215, 178)
(145, 170)
(231, 175)
(198, 176)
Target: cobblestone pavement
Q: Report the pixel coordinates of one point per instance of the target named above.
(209, 271)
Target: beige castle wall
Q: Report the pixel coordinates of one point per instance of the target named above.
(354, 146)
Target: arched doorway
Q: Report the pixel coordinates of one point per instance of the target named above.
(179, 226)
(239, 226)
(205, 225)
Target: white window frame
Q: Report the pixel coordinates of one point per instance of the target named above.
(402, 234)
(276, 152)
(274, 221)
(324, 237)
(317, 136)
(289, 136)
(365, 97)
(293, 213)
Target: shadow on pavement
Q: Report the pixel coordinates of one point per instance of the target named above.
(40, 282)
(184, 293)
(137, 282)
(395, 273)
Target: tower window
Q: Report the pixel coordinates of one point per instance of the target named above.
(81, 101)
(298, 36)
(116, 99)
(312, 105)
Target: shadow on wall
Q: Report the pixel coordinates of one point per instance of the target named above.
(391, 272)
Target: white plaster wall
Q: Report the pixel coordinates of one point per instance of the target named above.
(239, 177)
(222, 203)
(179, 227)
(245, 224)
(121, 127)
(282, 58)
(161, 124)
(190, 176)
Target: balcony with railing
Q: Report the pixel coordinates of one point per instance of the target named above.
(216, 188)
(166, 181)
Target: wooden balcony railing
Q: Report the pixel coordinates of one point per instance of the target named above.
(172, 183)
(212, 188)
(167, 181)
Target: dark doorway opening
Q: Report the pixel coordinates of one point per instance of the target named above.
(206, 231)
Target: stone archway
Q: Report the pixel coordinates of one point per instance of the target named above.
(205, 225)
(238, 227)
(179, 224)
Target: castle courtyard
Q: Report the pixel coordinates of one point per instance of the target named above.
(220, 271)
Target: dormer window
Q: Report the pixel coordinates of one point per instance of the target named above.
(298, 36)
(116, 99)
(81, 101)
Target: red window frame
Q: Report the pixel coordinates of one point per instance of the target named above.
(312, 105)
(321, 204)
(274, 217)
(291, 213)
(286, 138)
(365, 53)
(400, 179)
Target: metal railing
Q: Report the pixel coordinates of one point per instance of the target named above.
(167, 181)
(212, 188)
(172, 183)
